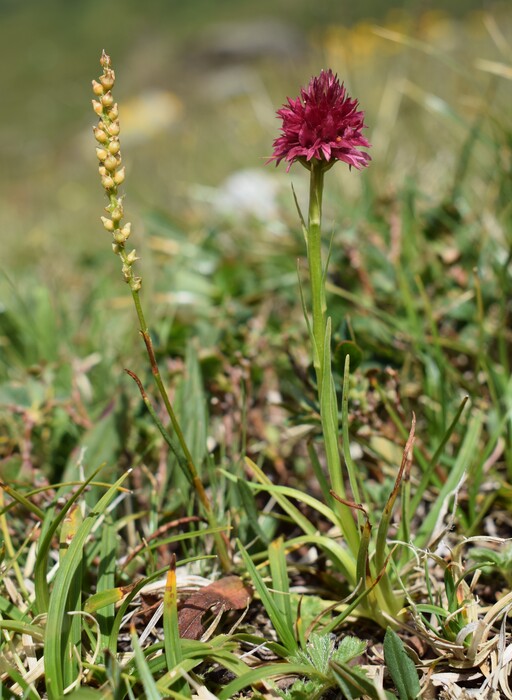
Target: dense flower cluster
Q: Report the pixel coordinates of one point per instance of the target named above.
(112, 174)
(323, 123)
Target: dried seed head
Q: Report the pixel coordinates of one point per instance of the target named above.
(112, 174)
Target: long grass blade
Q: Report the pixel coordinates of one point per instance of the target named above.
(40, 583)
(146, 677)
(172, 642)
(284, 632)
(280, 583)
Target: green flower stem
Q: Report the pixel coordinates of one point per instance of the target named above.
(316, 275)
(322, 355)
(222, 549)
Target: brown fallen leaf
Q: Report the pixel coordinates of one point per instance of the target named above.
(228, 593)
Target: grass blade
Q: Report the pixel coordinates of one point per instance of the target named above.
(40, 583)
(284, 632)
(146, 677)
(280, 585)
(172, 642)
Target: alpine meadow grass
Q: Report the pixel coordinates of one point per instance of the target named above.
(287, 474)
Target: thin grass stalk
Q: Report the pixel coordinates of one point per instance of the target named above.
(190, 470)
(112, 176)
(4, 529)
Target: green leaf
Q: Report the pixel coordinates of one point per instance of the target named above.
(401, 667)
(264, 673)
(33, 631)
(318, 652)
(22, 500)
(353, 681)
(349, 648)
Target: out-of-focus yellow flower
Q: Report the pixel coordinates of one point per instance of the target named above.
(149, 114)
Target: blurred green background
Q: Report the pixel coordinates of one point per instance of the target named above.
(198, 85)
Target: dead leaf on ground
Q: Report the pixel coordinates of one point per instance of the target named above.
(227, 593)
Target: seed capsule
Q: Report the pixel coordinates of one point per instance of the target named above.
(114, 112)
(107, 80)
(111, 162)
(119, 237)
(114, 147)
(132, 257)
(114, 129)
(97, 88)
(119, 176)
(100, 135)
(107, 223)
(117, 214)
(107, 100)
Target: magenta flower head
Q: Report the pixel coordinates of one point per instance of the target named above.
(323, 123)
